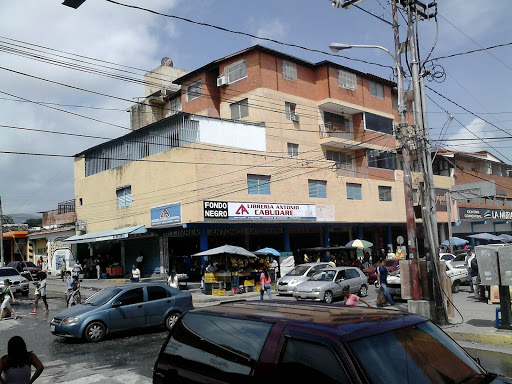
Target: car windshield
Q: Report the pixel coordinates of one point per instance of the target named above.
(424, 353)
(323, 275)
(30, 264)
(101, 297)
(9, 272)
(447, 257)
(299, 270)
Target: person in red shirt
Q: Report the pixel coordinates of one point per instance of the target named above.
(351, 299)
(265, 283)
(40, 262)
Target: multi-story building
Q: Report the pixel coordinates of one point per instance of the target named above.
(255, 149)
(482, 191)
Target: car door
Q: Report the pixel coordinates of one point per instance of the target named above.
(128, 310)
(338, 283)
(353, 279)
(159, 302)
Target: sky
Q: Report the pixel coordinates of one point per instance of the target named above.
(469, 100)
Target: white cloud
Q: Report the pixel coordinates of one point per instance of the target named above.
(477, 128)
(270, 29)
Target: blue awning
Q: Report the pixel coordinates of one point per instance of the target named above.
(114, 234)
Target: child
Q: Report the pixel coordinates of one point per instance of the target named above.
(351, 299)
(6, 303)
(40, 292)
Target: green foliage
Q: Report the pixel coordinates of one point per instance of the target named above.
(7, 219)
(34, 222)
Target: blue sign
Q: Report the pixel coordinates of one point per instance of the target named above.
(166, 214)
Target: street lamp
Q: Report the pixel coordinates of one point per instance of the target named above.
(409, 205)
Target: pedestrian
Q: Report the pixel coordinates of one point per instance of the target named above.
(351, 299)
(6, 302)
(382, 274)
(69, 289)
(391, 254)
(265, 283)
(140, 261)
(98, 267)
(63, 269)
(16, 366)
(172, 280)
(275, 265)
(467, 264)
(40, 262)
(77, 268)
(40, 292)
(135, 274)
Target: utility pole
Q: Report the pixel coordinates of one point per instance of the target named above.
(2, 261)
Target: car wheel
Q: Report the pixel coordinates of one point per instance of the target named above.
(95, 332)
(328, 297)
(171, 320)
(456, 286)
(363, 291)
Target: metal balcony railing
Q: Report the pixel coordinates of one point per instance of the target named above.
(340, 131)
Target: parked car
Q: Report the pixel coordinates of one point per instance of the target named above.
(391, 265)
(327, 284)
(297, 275)
(446, 256)
(279, 342)
(122, 308)
(26, 268)
(18, 283)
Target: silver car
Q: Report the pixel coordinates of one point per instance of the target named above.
(327, 284)
(297, 275)
(18, 283)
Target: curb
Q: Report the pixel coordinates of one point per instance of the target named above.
(496, 338)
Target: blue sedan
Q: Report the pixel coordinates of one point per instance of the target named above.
(122, 308)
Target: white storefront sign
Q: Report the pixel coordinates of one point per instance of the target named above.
(260, 211)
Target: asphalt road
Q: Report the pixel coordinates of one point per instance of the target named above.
(122, 358)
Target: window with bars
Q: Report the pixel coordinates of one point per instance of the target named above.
(376, 89)
(240, 109)
(293, 149)
(194, 90)
(347, 80)
(124, 197)
(342, 159)
(336, 122)
(317, 188)
(236, 71)
(381, 159)
(354, 191)
(290, 109)
(289, 70)
(258, 184)
(384, 193)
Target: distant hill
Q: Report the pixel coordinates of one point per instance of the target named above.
(22, 217)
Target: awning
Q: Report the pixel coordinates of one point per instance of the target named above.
(106, 235)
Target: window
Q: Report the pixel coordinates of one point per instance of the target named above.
(376, 89)
(489, 201)
(352, 274)
(317, 188)
(157, 293)
(347, 80)
(384, 193)
(381, 159)
(133, 296)
(194, 90)
(228, 349)
(337, 122)
(378, 123)
(289, 109)
(236, 71)
(240, 109)
(258, 185)
(509, 202)
(313, 363)
(395, 102)
(500, 201)
(342, 159)
(354, 191)
(293, 149)
(289, 70)
(124, 197)
(415, 198)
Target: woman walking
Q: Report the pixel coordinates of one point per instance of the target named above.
(6, 303)
(265, 283)
(40, 292)
(172, 280)
(16, 366)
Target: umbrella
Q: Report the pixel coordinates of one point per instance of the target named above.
(456, 241)
(505, 238)
(486, 236)
(359, 244)
(229, 249)
(267, 251)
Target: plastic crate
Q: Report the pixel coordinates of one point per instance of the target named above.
(211, 275)
(218, 292)
(249, 283)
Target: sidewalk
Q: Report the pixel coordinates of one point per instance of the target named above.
(477, 324)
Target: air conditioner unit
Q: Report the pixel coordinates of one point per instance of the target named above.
(294, 117)
(222, 81)
(80, 226)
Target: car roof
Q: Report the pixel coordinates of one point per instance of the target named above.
(312, 264)
(350, 323)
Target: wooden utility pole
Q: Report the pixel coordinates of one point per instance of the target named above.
(2, 261)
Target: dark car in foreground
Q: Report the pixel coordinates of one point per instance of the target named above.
(26, 268)
(278, 342)
(122, 308)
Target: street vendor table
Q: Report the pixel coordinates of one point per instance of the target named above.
(115, 271)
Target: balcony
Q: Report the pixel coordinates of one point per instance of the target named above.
(340, 136)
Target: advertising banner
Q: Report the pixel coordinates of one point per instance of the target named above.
(258, 211)
(166, 214)
(484, 214)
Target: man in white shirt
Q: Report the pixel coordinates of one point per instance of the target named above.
(135, 274)
(390, 255)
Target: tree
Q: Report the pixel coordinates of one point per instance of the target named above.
(34, 222)
(7, 219)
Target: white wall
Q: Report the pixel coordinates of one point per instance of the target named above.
(232, 134)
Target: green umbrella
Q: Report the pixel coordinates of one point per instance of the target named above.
(359, 244)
